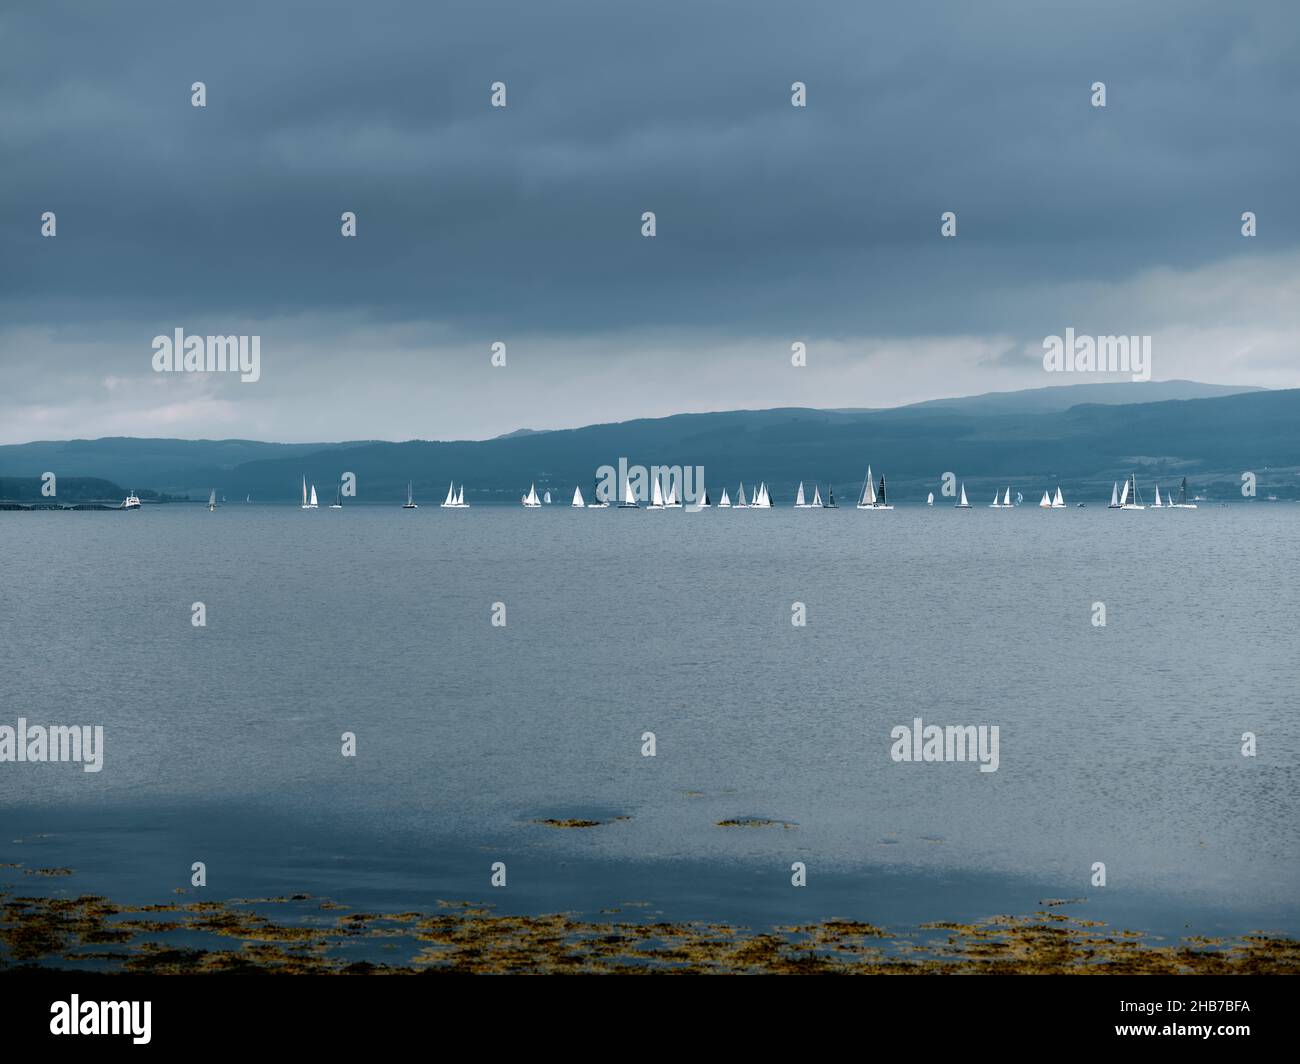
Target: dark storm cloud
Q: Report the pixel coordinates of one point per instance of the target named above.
(529, 218)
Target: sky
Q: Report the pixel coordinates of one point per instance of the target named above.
(523, 225)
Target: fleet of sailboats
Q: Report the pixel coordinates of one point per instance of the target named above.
(665, 497)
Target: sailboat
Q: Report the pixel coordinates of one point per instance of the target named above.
(212, 500)
(1157, 505)
(596, 502)
(455, 499)
(883, 503)
(531, 500)
(672, 502)
(870, 500)
(761, 500)
(1046, 503)
(830, 502)
(578, 501)
(547, 498)
(450, 500)
(337, 504)
(817, 498)
(1182, 503)
(702, 502)
(724, 503)
(799, 503)
(1007, 500)
(929, 499)
(1114, 496)
(308, 502)
(1058, 500)
(741, 504)
(963, 504)
(408, 505)
(1129, 501)
(629, 496)
(657, 496)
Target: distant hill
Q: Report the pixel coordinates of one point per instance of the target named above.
(1084, 447)
(1063, 396)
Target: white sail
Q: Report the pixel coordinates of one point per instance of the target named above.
(929, 499)
(304, 493)
(964, 504)
(740, 497)
(460, 497)
(1047, 502)
(313, 495)
(629, 496)
(1114, 495)
(578, 501)
(531, 500)
(1058, 503)
(868, 492)
(546, 498)
(1007, 501)
(724, 502)
(798, 499)
(657, 497)
(763, 500)
(212, 499)
(995, 505)
(671, 499)
(817, 496)
(1158, 502)
(1123, 499)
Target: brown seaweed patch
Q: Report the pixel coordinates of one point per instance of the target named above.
(755, 822)
(577, 822)
(464, 937)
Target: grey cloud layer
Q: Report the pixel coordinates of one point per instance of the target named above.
(773, 222)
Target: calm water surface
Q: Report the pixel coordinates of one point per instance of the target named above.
(1118, 744)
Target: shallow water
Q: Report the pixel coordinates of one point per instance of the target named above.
(1118, 744)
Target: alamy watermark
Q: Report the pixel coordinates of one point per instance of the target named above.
(612, 484)
(1098, 354)
(209, 354)
(931, 742)
(58, 742)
